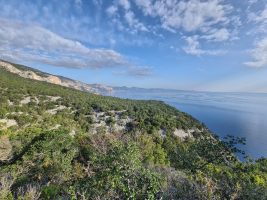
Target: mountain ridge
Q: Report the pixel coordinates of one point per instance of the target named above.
(30, 73)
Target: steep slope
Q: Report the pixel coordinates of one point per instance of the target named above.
(61, 143)
(30, 73)
(98, 113)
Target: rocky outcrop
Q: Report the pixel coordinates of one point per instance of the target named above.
(54, 80)
(6, 123)
(93, 88)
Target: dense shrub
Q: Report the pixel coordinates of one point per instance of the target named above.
(57, 157)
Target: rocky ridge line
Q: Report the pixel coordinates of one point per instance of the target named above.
(92, 88)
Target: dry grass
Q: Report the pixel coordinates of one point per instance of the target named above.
(5, 148)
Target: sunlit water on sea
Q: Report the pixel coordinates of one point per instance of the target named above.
(239, 114)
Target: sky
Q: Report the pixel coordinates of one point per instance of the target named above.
(202, 45)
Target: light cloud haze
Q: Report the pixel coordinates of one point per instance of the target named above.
(127, 42)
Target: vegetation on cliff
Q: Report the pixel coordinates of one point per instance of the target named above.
(61, 143)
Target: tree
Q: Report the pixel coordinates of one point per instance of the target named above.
(117, 171)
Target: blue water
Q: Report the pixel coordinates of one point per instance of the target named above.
(239, 114)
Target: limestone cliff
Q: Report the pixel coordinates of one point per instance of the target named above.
(30, 74)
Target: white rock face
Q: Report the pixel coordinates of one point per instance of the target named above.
(6, 123)
(36, 100)
(189, 133)
(182, 133)
(93, 88)
(53, 98)
(55, 110)
(99, 121)
(72, 133)
(26, 100)
(9, 67)
(10, 103)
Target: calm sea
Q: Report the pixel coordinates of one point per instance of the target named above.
(239, 114)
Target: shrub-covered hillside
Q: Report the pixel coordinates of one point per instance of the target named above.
(61, 143)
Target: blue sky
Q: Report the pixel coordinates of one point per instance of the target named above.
(205, 45)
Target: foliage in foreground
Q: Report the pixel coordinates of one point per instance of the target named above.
(43, 161)
(118, 166)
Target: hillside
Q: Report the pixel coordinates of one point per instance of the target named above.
(57, 142)
(30, 73)
(95, 110)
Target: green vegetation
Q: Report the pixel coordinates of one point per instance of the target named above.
(60, 143)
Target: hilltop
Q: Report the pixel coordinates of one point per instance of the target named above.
(58, 141)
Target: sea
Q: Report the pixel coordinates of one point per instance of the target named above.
(238, 114)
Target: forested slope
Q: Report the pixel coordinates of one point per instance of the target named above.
(61, 143)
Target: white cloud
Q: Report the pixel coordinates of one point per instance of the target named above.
(260, 19)
(125, 4)
(130, 18)
(140, 71)
(146, 5)
(194, 48)
(136, 72)
(112, 10)
(194, 15)
(261, 16)
(131, 23)
(259, 54)
(251, 2)
(211, 20)
(134, 23)
(27, 42)
(217, 35)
